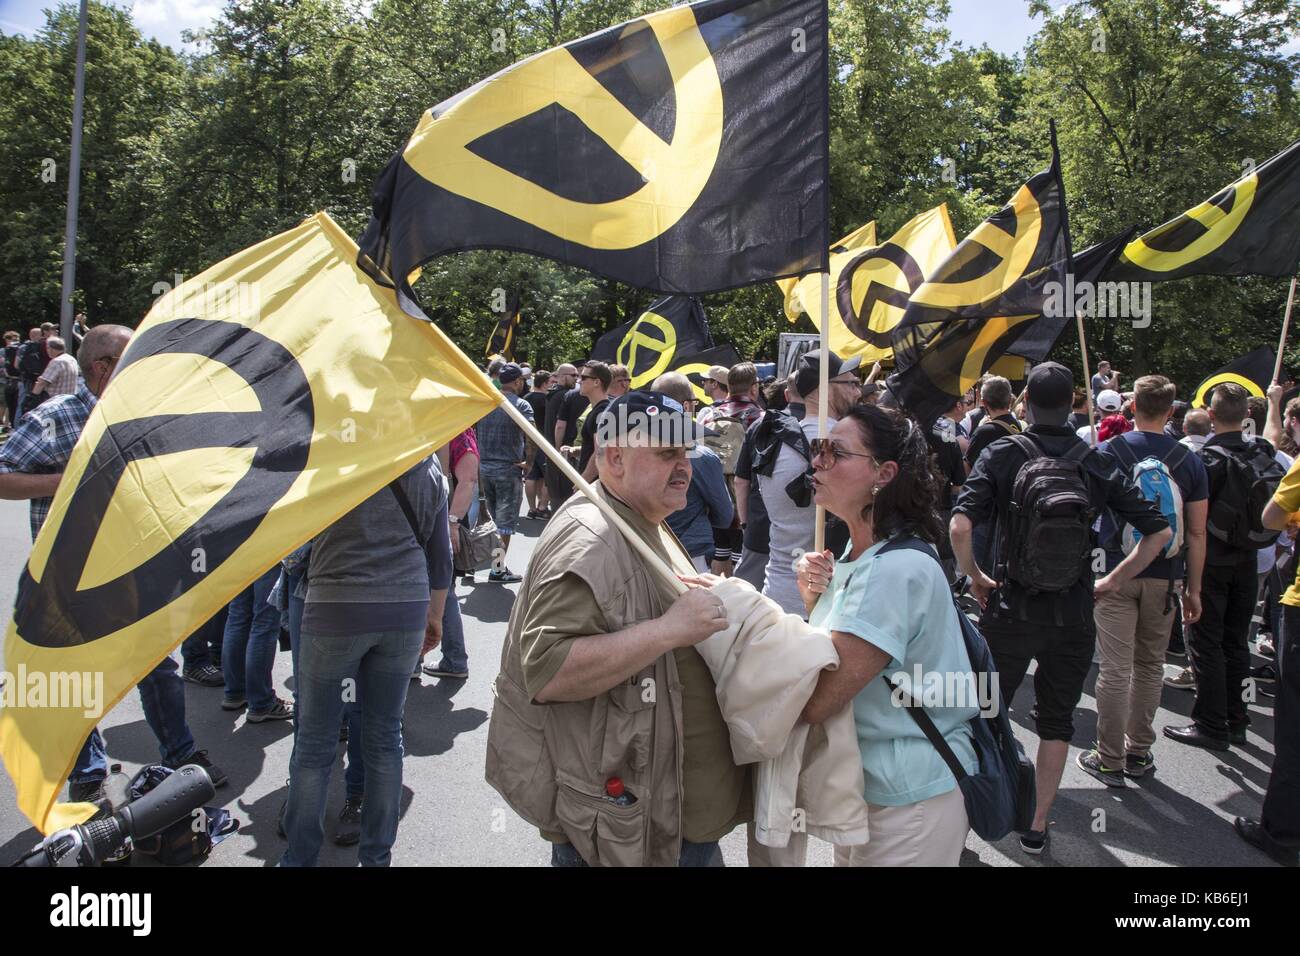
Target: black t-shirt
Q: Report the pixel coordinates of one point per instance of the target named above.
(1217, 552)
(554, 399)
(537, 401)
(986, 497)
(570, 409)
(589, 434)
(989, 432)
(949, 469)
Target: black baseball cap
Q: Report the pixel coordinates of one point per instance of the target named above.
(510, 373)
(650, 419)
(1050, 393)
(808, 371)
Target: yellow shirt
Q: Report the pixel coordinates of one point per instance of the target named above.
(1288, 499)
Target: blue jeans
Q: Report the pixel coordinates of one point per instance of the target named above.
(197, 648)
(693, 854)
(250, 642)
(162, 697)
(454, 656)
(382, 663)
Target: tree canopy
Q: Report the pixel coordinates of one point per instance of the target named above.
(286, 107)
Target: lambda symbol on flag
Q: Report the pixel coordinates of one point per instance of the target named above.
(1197, 233)
(75, 588)
(674, 174)
(663, 349)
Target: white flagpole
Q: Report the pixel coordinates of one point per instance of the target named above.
(1286, 328)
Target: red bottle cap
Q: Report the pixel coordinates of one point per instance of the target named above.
(614, 787)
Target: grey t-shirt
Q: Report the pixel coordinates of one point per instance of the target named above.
(792, 527)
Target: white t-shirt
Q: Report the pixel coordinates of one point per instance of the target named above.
(792, 528)
(1267, 557)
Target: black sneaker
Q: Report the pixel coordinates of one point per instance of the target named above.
(200, 759)
(444, 671)
(1090, 763)
(205, 675)
(348, 832)
(1138, 766)
(1033, 842)
(279, 710)
(86, 791)
(504, 576)
(234, 703)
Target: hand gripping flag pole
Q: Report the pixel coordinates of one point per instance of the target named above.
(655, 562)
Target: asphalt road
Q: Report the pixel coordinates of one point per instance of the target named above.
(1179, 816)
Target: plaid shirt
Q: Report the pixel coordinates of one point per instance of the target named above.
(42, 442)
(60, 376)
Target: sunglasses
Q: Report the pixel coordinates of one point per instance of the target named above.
(825, 448)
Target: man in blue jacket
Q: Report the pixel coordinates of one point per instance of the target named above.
(708, 500)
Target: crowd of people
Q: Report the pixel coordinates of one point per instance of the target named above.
(1145, 532)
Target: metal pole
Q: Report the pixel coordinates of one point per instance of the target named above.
(74, 192)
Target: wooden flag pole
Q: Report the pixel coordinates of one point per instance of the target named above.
(1286, 328)
(648, 554)
(1087, 379)
(823, 396)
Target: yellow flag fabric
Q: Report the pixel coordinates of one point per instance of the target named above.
(871, 285)
(255, 405)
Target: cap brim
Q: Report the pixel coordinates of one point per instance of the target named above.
(851, 364)
(667, 429)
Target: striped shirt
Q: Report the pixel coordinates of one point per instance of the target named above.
(42, 442)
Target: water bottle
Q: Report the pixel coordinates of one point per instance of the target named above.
(617, 794)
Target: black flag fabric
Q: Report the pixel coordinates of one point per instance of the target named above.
(652, 343)
(1249, 228)
(685, 151)
(502, 340)
(1253, 372)
(983, 299)
(695, 367)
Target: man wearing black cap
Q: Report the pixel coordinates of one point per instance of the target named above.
(501, 464)
(606, 733)
(781, 460)
(1038, 593)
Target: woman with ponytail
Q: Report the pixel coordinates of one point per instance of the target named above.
(892, 619)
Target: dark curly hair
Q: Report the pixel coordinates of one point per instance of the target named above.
(907, 504)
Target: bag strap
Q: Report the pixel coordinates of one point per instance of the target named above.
(1027, 445)
(918, 714)
(1175, 456)
(1123, 451)
(1007, 426)
(404, 503)
(915, 710)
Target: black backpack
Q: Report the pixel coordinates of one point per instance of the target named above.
(1247, 479)
(1048, 543)
(31, 360)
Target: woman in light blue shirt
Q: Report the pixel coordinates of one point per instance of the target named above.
(892, 619)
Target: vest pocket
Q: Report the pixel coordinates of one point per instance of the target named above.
(604, 833)
(629, 721)
(518, 761)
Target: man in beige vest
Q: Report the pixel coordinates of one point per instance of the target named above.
(606, 733)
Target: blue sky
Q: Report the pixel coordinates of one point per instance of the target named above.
(1002, 24)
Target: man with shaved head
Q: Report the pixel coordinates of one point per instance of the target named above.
(31, 464)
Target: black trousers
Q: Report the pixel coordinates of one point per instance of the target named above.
(1281, 817)
(1218, 649)
(557, 486)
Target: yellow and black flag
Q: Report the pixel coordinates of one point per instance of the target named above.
(685, 151)
(1253, 372)
(871, 285)
(502, 341)
(1250, 228)
(255, 405)
(650, 344)
(998, 294)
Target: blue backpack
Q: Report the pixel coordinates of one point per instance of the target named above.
(1001, 797)
(1154, 478)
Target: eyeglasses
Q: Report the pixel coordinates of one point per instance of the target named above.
(824, 447)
